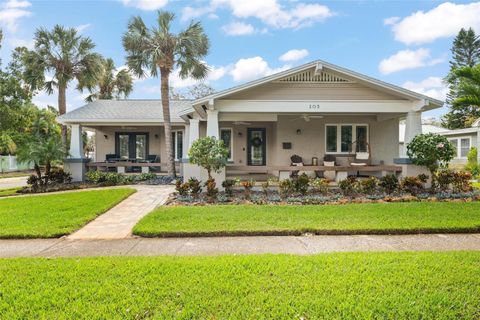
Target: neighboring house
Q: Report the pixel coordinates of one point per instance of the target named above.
(462, 139)
(313, 110)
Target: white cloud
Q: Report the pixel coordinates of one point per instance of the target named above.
(241, 29)
(391, 21)
(294, 55)
(214, 74)
(147, 5)
(270, 12)
(11, 11)
(17, 42)
(83, 27)
(408, 59)
(442, 21)
(252, 68)
(432, 86)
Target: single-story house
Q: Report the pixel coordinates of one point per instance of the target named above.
(462, 139)
(314, 110)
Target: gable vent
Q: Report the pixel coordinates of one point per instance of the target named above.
(310, 77)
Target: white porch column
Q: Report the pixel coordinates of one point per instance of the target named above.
(212, 124)
(76, 142)
(193, 132)
(413, 126)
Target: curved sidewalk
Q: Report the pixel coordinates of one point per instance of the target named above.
(303, 245)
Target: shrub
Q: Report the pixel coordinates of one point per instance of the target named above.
(430, 150)
(228, 186)
(301, 184)
(444, 178)
(57, 175)
(461, 181)
(182, 188)
(319, 185)
(348, 185)
(247, 186)
(286, 188)
(412, 185)
(113, 178)
(266, 185)
(368, 185)
(472, 163)
(212, 190)
(146, 176)
(195, 187)
(95, 176)
(209, 153)
(389, 183)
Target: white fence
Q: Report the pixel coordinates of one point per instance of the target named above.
(9, 163)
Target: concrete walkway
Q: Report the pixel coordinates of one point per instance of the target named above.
(303, 245)
(117, 223)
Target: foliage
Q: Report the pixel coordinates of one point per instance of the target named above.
(267, 184)
(146, 176)
(247, 187)
(389, 183)
(444, 178)
(430, 150)
(112, 83)
(182, 188)
(319, 185)
(63, 55)
(212, 190)
(106, 178)
(286, 188)
(461, 181)
(157, 50)
(465, 53)
(228, 186)
(195, 187)
(209, 153)
(472, 162)
(200, 90)
(412, 185)
(298, 219)
(42, 144)
(347, 186)
(301, 184)
(55, 215)
(368, 185)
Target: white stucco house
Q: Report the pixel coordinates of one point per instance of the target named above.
(312, 110)
(462, 139)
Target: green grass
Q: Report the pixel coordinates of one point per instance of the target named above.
(55, 215)
(327, 219)
(9, 191)
(329, 286)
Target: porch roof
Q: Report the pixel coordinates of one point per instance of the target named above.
(134, 111)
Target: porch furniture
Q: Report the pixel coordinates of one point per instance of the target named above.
(329, 161)
(360, 158)
(297, 161)
(111, 157)
(121, 165)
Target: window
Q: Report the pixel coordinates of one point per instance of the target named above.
(177, 144)
(226, 136)
(349, 133)
(131, 145)
(461, 146)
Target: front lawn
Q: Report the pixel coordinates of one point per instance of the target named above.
(409, 217)
(329, 286)
(55, 215)
(9, 192)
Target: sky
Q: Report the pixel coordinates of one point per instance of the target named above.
(406, 43)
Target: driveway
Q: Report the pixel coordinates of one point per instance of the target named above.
(7, 183)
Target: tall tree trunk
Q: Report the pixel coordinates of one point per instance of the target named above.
(62, 108)
(164, 89)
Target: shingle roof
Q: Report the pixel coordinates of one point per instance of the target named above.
(125, 110)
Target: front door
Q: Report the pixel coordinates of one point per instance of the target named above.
(131, 145)
(256, 147)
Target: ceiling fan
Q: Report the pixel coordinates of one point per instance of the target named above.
(307, 117)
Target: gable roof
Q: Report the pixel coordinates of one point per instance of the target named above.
(323, 64)
(102, 111)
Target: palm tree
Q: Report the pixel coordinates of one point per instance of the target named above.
(469, 90)
(112, 84)
(68, 56)
(150, 50)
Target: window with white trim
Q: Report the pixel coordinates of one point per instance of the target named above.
(339, 138)
(177, 144)
(226, 135)
(462, 146)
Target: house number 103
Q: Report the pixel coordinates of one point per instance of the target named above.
(313, 106)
